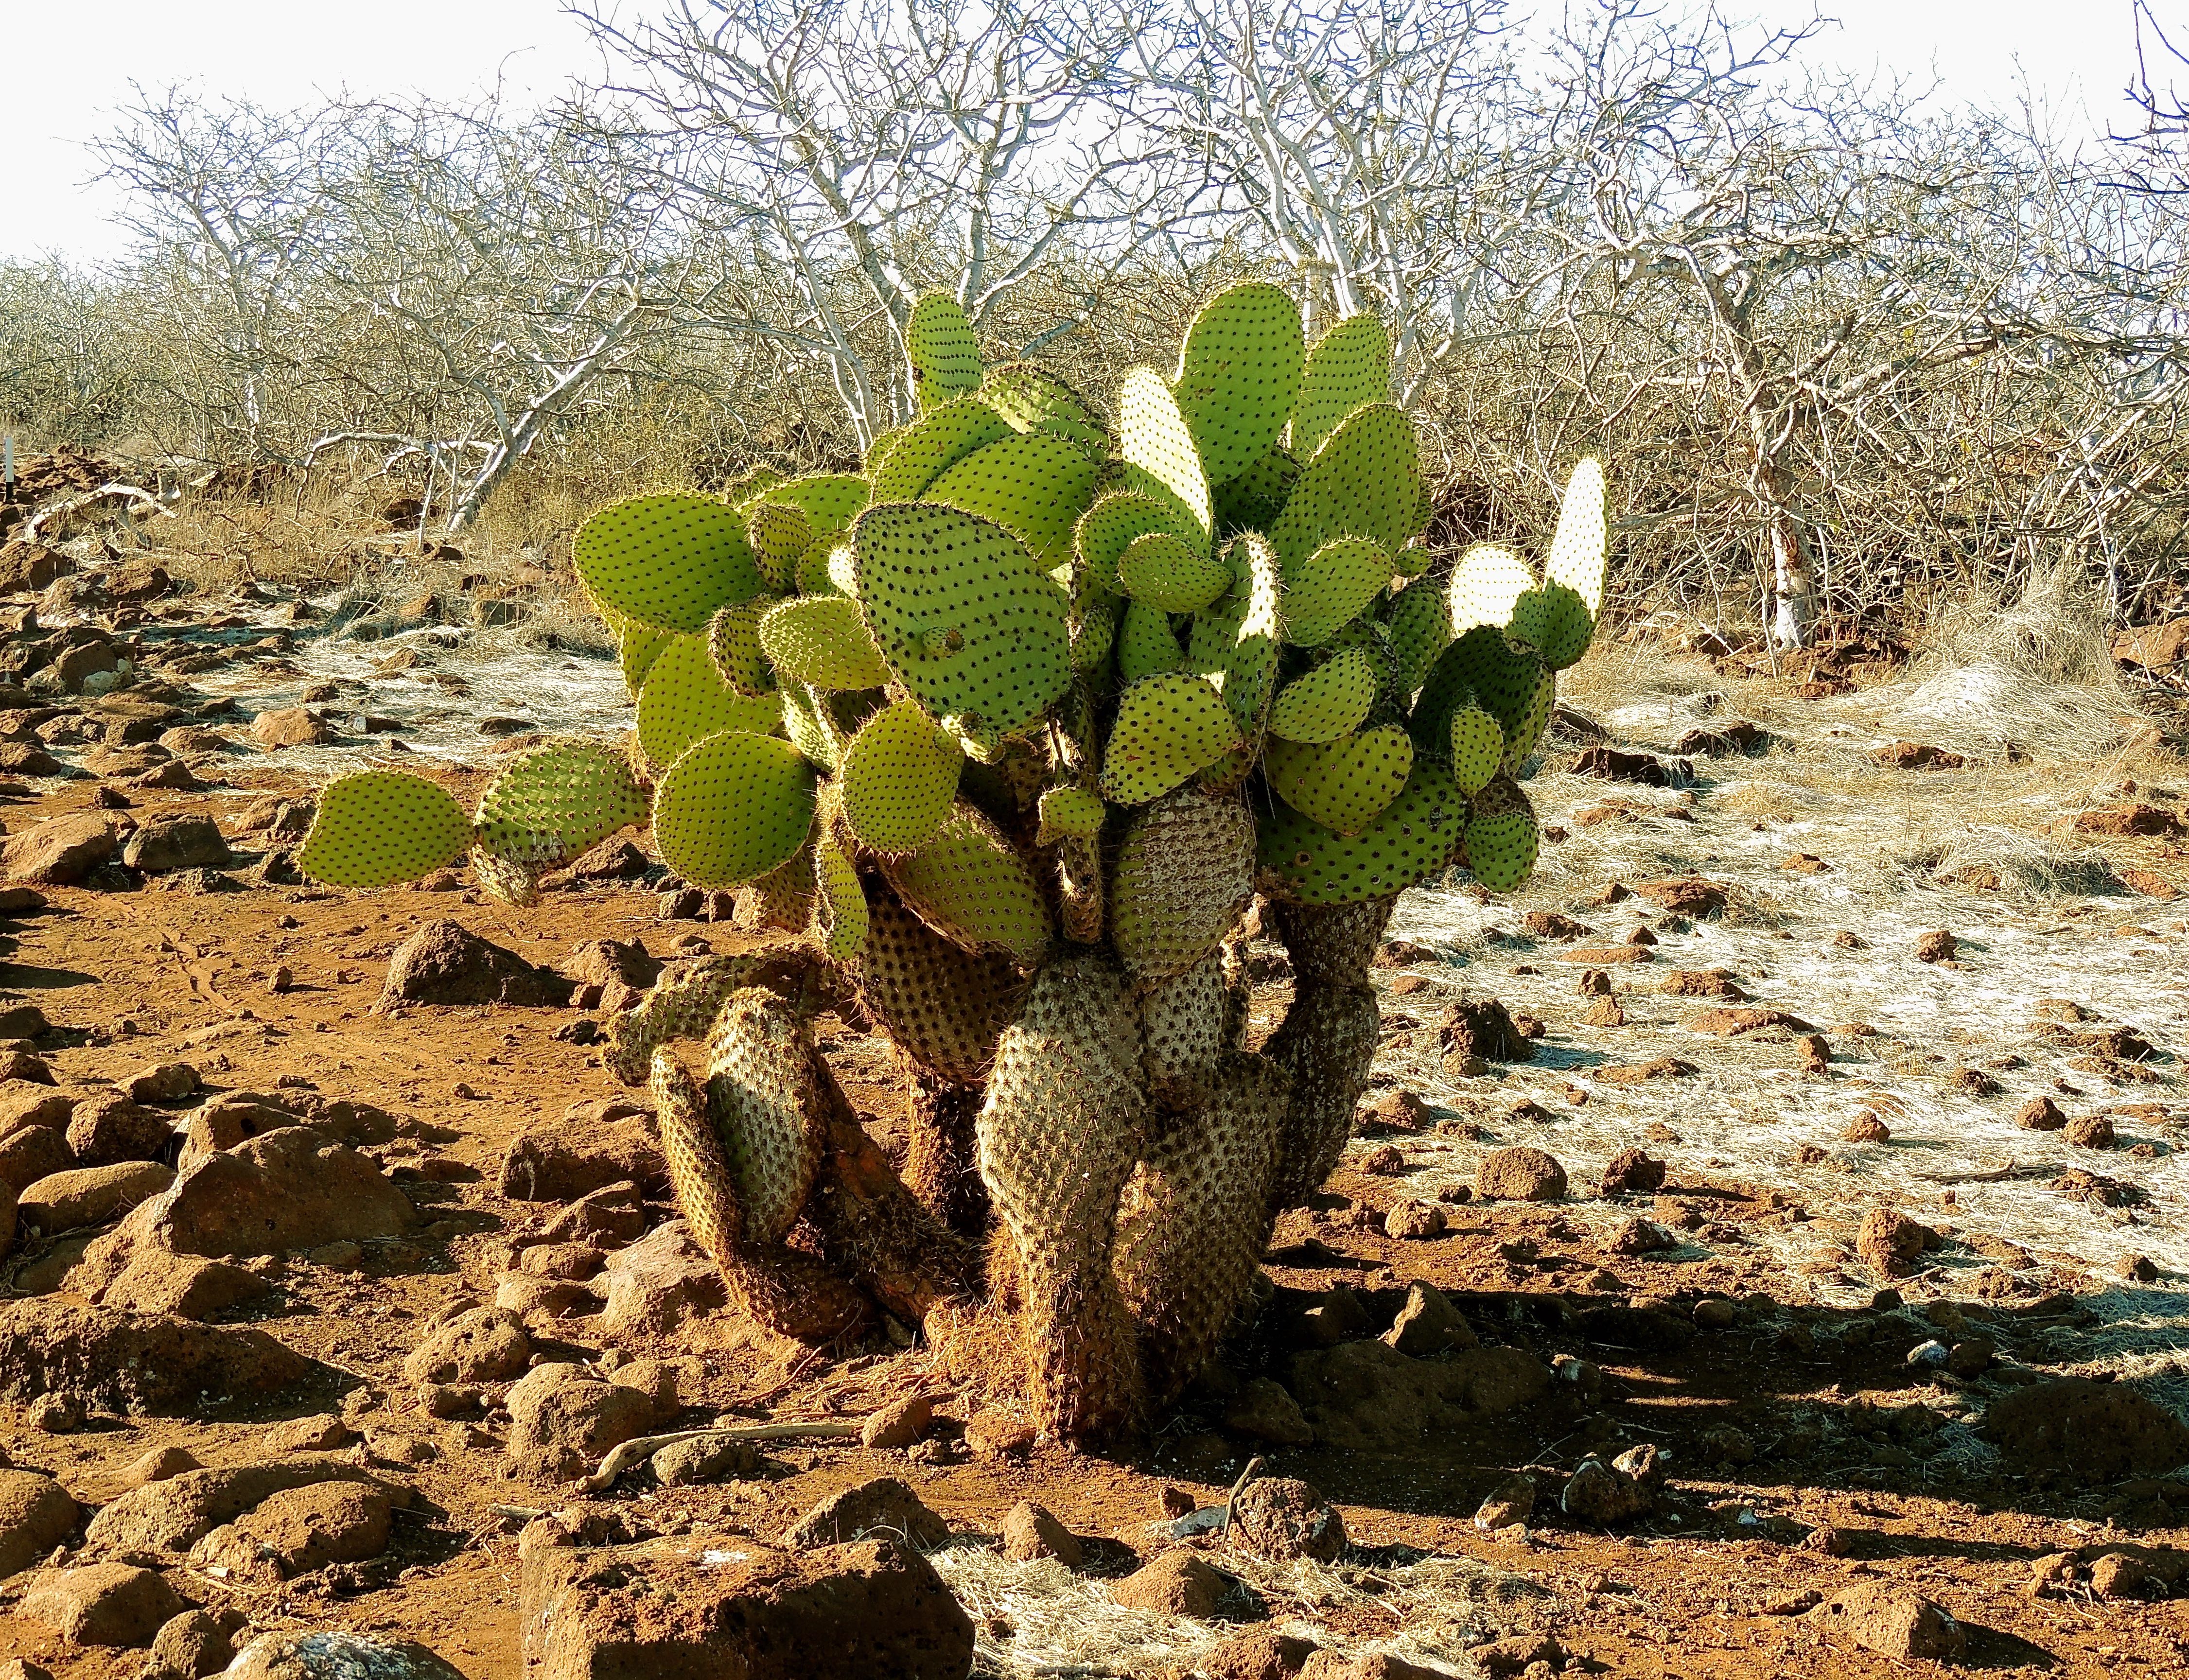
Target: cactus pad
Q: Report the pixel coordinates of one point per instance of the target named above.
(1257, 627)
(1093, 631)
(939, 342)
(1109, 528)
(1342, 784)
(1348, 369)
(972, 886)
(1034, 485)
(1031, 399)
(1554, 620)
(552, 804)
(667, 561)
(1421, 629)
(1250, 501)
(829, 500)
(823, 642)
(968, 623)
(768, 1109)
(685, 700)
(1165, 571)
(931, 447)
(942, 1006)
(1412, 838)
(1239, 375)
(780, 534)
(1184, 874)
(637, 647)
(1168, 726)
(1525, 728)
(1326, 703)
(1583, 538)
(1147, 644)
(1365, 481)
(1501, 837)
(733, 644)
(1071, 812)
(1484, 585)
(1327, 591)
(379, 826)
(1478, 747)
(840, 905)
(1161, 460)
(899, 779)
(1481, 668)
(734, 806)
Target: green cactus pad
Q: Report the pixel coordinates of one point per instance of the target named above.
(1327, 703)
(829, 500)
(1481, 668)
(815, 571)
(1555, 620)
(1524, 730)
(749, 485)
(1161, 460)
(839, 903)
(1093, 631)
(821, 725)
(556, 801)
(971, 886)
(1344, 784)
(1034, 485)
(1254, 623)
(1111, 526)
(1421, 629)
(1413, 838)
(1501, 838)
(1478, 747)
(1366, 481)
(1168, 726)
(780, 534)
(1485, 585)
(1165, 571)
(1031, 399)
(933, 446)
(1145, 643)
(685, 700)
(821, 640)
(878, 452)
(899, 779)
(666, 561)
(1071, 811)
(733, 807)
(379, 826)
(1180, 877)
(637, 647)
(1348, 369)
(945, 356)
(1251, 500)
(733, 644)
(1330, 588)
(1583, 539)
(1239, 375)
(968, 622)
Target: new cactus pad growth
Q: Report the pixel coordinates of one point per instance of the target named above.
(1006, 736)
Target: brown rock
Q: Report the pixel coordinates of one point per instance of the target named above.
(1599, 1494)
(1482, 1027)
(1733, 1023)
(592, 1146)
(1427, 1325)
(1891, 1242)
(290, 1189)
(170, 1081)
(157, 1465)
(2040, 1114)
(105, 1127)
(1685, 896)
(36, 1515)
(1512, 1500)
(445, 963)
(172, 840)
(1266, 1410)
(1259, 1654)
(1279, 1518)
(898, 1424)
(291, 727)
(1031, 1531)
(84, 1196)
(336, 1656)
(666, 1607)
(993, 1433)
(1640, 1073)
(187, 1286)
(1891, 1623)
(884, 1507)
(110, 1604)
(193, 1644)
(1913, 755)
(1176, 1584)
(1867, 1127)
(1703, 983)
(1376, 1666)
(2155, 648)
(1414, 1221)
(2090, 1131)
(1521, 1174)
(1938, 946)
(563, 1421)
(297, 1530)
(129, 1362)
(484, 1344)
(658, 1282)
(1632, 1172)
(59, 852)
(33, 1104)
(1363, 1396)
(2099, 1431)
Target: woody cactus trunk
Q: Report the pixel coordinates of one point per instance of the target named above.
(1005, 735)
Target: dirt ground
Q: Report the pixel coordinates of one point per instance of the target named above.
(1809, 1442)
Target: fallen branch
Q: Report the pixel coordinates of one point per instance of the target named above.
(645, 1446)
(104, 492)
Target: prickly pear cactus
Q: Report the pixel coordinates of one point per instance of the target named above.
(1014, 729)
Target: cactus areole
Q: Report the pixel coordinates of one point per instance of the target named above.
(1005, 736)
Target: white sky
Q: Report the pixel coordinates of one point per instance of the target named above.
(69, 67)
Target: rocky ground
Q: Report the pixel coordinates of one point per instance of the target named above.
(1762, 1255)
